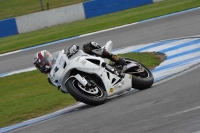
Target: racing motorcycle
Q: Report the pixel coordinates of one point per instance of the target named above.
(92, 79)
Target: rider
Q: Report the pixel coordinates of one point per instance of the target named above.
(43, 60)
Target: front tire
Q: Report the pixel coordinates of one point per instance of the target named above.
(92, 96)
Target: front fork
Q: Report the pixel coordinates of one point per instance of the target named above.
(81, 79)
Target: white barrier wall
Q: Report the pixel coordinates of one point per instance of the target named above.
(157, 1)
(39, 20)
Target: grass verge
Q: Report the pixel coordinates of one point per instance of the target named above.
(29, 95)
(94, 24)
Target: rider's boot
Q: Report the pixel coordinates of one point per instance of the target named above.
(118, 60)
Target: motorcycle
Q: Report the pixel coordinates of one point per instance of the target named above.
(92, 79)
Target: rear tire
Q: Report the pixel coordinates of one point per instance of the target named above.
(142, 80)
(83, 94)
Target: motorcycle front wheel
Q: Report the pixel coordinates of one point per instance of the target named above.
(91, 95)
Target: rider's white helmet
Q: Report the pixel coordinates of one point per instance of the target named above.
(43, 61)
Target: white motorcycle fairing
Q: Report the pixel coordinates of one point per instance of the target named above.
(92, 80)
(85, 63)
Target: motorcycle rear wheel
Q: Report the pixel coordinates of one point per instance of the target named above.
(91, 96)
(143, 80)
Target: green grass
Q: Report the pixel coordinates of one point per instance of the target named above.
(150, 60)
(13, 8)
(28, 95)
(94, 24)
